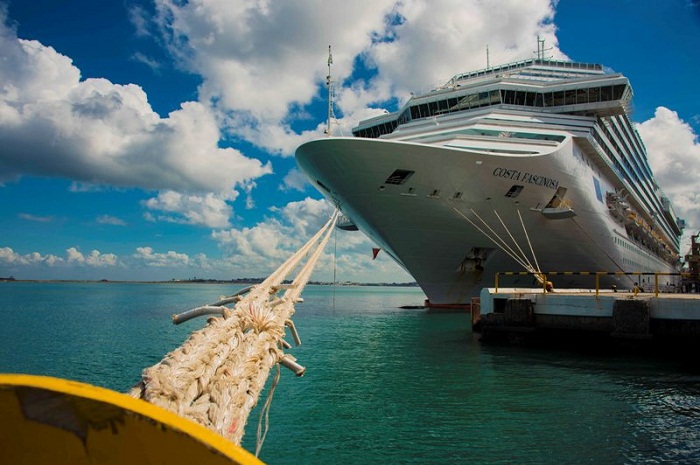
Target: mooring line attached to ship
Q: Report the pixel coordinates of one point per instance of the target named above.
(522, 261)
(502, 245)
(516, 242)
(532, 251)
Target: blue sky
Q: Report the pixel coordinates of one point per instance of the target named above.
(154, 140)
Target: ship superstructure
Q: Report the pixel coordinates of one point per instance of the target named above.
(530, 165)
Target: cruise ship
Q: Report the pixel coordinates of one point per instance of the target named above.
(533, 166)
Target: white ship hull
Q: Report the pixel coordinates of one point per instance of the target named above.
(422, 226)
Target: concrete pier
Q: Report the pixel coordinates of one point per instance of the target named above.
(523, 315)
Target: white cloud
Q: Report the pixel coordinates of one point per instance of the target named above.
(673, 151)
(261, 249)
(73, 257)
(139, 18)
(146, 256)
(150, 62)
(259, 244)
(260, 66)
(210, 210)
(450, 36)
(294, 180)
(97, 132)
(94, 259)
(112, 220)
(9, 256)
(260, 60)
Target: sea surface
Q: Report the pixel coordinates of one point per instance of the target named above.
(383, 384)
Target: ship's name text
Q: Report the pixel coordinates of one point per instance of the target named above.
(529, 178)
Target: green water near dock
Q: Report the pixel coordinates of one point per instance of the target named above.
(383, 384)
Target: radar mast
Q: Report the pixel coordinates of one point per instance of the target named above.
(329, 85)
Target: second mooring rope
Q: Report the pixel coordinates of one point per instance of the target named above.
(216, 376)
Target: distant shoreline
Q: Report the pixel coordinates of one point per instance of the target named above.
(245, 281)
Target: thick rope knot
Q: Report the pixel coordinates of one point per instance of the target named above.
(259, 318)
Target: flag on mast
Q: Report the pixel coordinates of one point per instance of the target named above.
(375, 252)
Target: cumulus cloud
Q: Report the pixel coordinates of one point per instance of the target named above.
(294, 180)
(209, 210)
(261, 249)
(673, 151)
(258, 59)
(94, 258)
(97, 132)
(147, 256)
(259, 66)
(449, 37)
(73, 257)
(9, 256)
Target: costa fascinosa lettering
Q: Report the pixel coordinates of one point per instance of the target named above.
(529, 178)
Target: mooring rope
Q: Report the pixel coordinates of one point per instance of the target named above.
(496, 239)
(216, 376)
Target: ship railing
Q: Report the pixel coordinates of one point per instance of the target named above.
(543, 277)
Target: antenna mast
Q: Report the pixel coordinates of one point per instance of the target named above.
(541, 50)
(329, 85)
(488, 65)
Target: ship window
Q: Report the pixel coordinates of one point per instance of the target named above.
(495, 97)
(432, 108)
(548, 99)
(598, 191)
(399, 177)
(530, 99)
(582, 96)
(423, 109)
(509, 97)
(570, 97)
(514, 191)
(618, 91)
(558, 98)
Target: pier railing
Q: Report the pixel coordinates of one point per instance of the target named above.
(547, 285)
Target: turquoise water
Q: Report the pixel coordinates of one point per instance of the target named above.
(383, 385)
